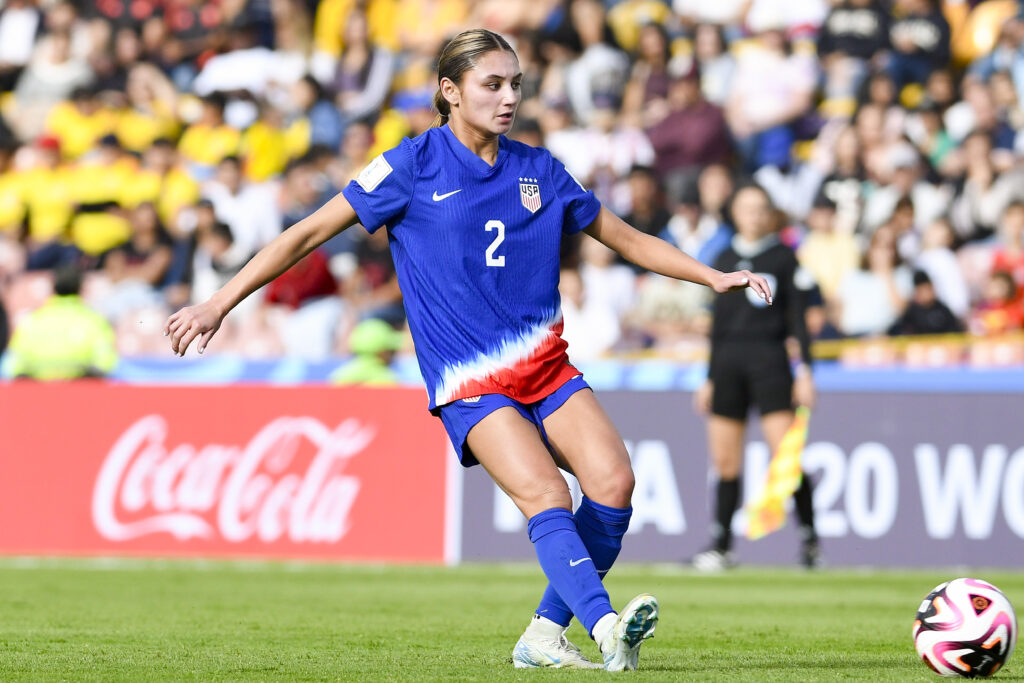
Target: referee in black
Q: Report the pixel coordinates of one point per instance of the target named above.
(750, 367)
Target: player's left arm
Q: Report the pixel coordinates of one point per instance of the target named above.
(659, 256)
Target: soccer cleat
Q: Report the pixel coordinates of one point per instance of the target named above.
(544, 645)
(634, 624)
(714, 560)
(810, 555)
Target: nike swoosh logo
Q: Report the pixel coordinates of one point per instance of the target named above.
(573, 563)
(439, 197)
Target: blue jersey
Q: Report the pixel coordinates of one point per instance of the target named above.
(476, 248)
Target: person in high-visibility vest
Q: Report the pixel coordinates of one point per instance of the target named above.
(373, 344)
(64, 338)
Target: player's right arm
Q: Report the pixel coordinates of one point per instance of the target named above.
(202, 321)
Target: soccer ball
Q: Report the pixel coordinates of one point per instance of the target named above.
(965, 627)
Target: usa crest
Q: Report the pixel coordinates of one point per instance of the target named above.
(529, 194)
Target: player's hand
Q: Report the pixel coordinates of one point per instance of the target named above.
(702, 398)
(803, 390)
(743, 278)
(194, 322)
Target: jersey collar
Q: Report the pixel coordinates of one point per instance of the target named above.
(471, 160)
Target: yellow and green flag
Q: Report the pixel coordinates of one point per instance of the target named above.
(766, 512)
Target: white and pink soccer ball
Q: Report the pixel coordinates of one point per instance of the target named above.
(965, 627)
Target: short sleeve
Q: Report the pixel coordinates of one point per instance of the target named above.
(581, 206)
(382, 191)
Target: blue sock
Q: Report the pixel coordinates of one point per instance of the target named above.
(601, 529)
(568, 565)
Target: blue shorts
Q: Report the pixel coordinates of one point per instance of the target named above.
(461, 415)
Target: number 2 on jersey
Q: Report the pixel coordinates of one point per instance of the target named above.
(493, 260)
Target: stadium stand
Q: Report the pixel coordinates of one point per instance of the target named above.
(159, 144)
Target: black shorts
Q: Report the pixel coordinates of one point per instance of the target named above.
(750, 374)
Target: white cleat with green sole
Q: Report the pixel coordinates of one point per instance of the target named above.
(635, 624)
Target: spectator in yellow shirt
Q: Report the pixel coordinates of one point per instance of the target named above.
(150, 112)
(48, 194)
(12, 205)
(100, 222)
(627, 18)
(265, 146)
(333, 15)
(63, 339)
(207, 141)
(79, 122)
(424, 25)
(827, 253)
(164, 183)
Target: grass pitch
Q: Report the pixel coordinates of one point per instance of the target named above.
(224, 621)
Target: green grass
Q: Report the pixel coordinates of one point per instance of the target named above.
(145, 620)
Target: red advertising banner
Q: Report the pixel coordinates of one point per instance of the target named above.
(260, 471)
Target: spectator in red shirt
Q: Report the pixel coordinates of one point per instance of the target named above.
(1008, 256)
(310, 310)
(691, 135)
(307, 280)
(1000, 309)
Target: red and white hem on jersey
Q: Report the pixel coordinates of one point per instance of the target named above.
(524, 367)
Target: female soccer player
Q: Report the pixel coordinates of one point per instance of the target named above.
(475, 223)
(750, 367)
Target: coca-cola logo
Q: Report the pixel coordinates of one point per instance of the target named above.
(287, 482)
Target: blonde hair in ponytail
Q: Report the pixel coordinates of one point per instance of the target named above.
(459, 56)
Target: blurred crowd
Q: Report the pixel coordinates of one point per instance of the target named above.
(155, 145)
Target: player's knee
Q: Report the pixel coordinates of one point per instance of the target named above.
(623, 482)
(543, 496)
(728, 468)
(615, 489)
